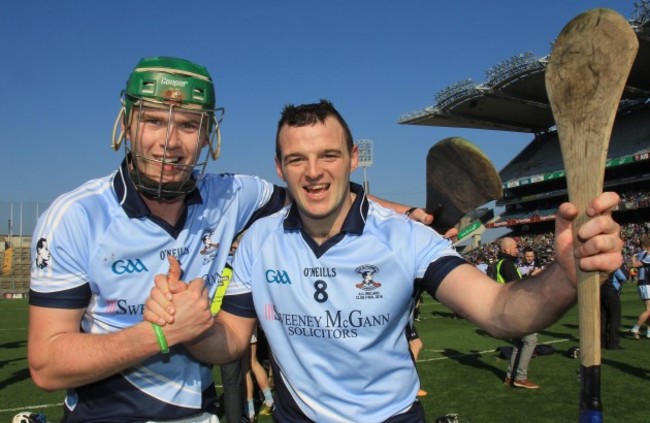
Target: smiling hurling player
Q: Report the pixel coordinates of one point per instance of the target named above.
(332, 278)
(110, 236)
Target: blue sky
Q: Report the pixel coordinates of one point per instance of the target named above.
(65, 63)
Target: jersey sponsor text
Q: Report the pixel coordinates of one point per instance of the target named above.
(174, 252)
(319, 272)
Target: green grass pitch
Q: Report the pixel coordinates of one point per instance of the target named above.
(458, 366)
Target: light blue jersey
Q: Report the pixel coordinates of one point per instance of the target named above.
(335, 315)
(104, 250)
(644, 258)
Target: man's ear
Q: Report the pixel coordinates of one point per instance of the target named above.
(205, 132)
(125, 131)
(278, 169)
(354, 158)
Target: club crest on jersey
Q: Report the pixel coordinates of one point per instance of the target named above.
(208, 245)
(209, 249)
(42, 254)
(368, 286)
(367, 272)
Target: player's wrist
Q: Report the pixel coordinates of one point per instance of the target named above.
(411, 210)
(161, 340)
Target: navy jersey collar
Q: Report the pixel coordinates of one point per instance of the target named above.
(354, 222)
(129, 197)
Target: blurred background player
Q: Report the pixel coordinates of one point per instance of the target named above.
(641, 261)
(256, 370)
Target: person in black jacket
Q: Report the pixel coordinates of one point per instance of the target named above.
(524, 347)
(610, 310)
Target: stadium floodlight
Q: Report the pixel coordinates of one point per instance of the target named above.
(365, 160)
(511, 67)
(458, 90)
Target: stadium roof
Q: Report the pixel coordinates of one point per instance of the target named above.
(514, 98)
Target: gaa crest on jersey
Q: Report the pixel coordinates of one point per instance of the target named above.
(128, 266)
(42, 254)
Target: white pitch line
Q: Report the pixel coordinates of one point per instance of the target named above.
(31, 407)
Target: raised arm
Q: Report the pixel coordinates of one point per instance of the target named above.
(530, 305)
(416, 213)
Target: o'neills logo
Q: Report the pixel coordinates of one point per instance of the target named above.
(173, 82)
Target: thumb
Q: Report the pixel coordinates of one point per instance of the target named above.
(174, 275)
(567, 213)
(564, 246)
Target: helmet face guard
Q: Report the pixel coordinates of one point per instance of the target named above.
(175, 98)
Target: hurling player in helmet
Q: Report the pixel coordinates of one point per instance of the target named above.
(168, 118)
(111, 235)
(107, 239)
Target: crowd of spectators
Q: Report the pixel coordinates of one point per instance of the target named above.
(543, 245)
(631, 234)
(636, 196)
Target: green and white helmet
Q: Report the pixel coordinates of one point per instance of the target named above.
(175, 86)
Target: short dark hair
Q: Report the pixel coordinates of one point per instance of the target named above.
(529, 249)
(310, 114)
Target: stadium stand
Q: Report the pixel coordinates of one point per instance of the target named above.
(21, 217)
(16, 260)
(514, 99)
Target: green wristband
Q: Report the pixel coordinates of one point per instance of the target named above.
(160, 337)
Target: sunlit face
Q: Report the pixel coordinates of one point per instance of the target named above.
(529, 256)
(316, 165)
(166, 145)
